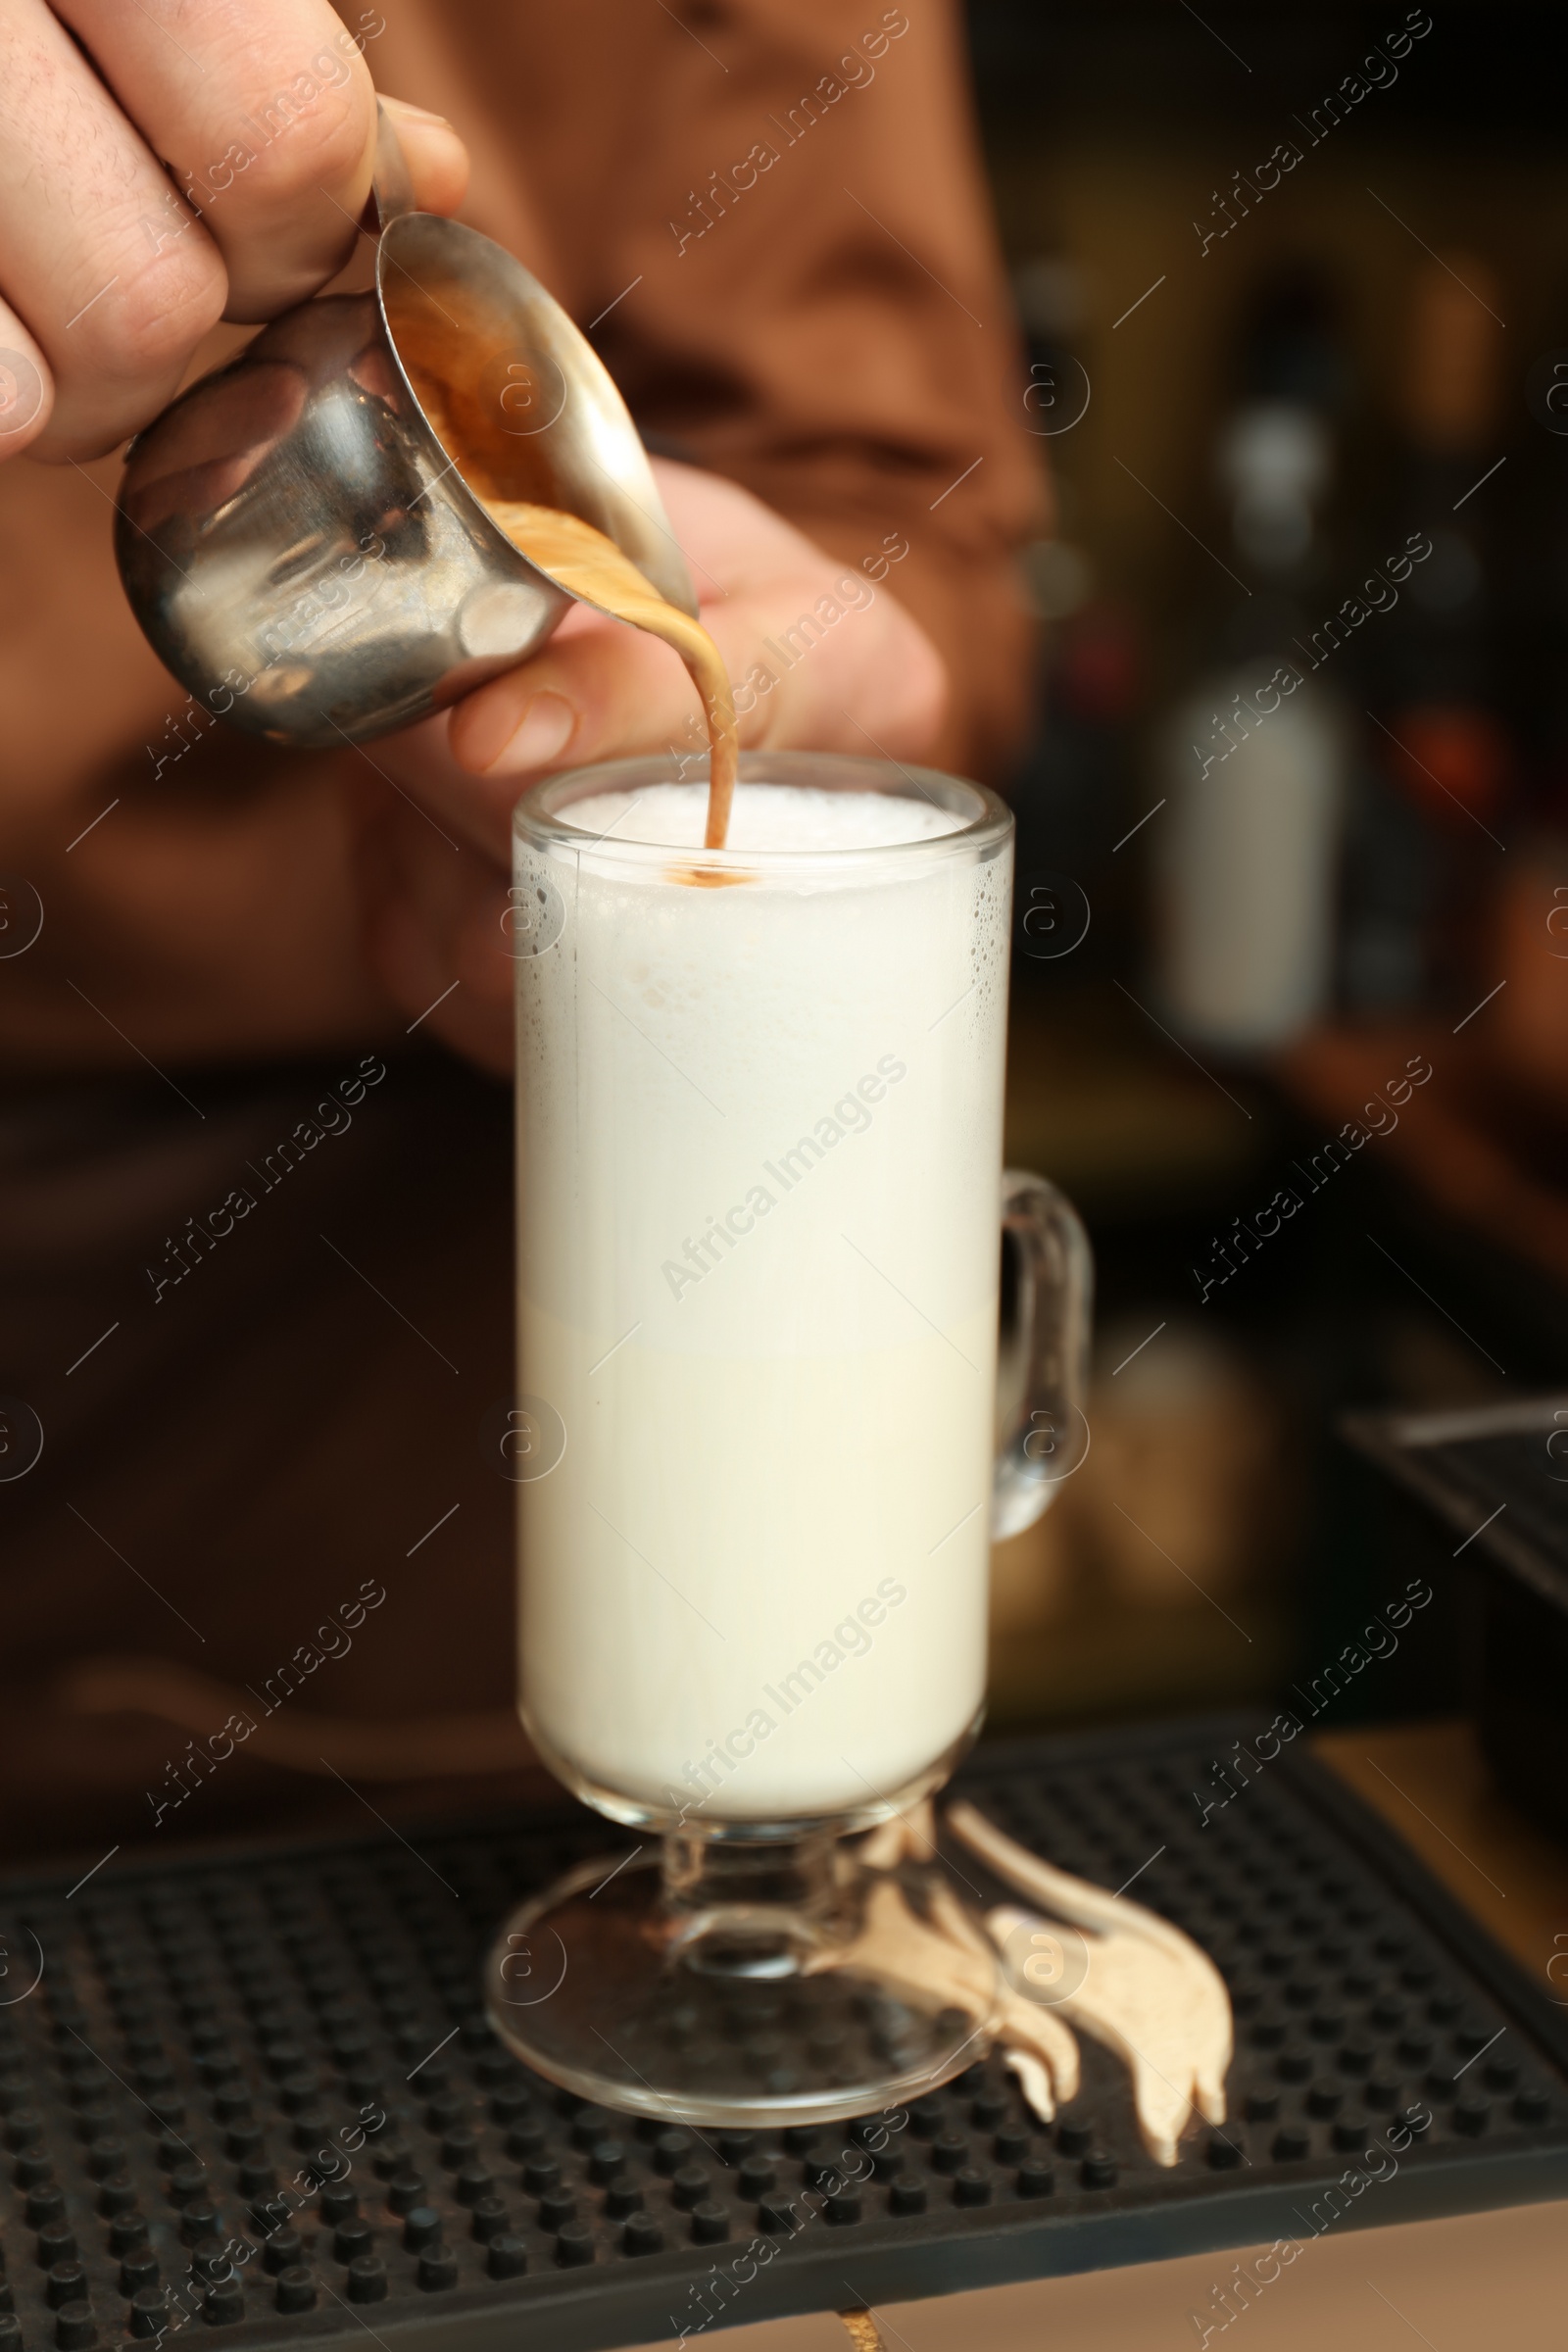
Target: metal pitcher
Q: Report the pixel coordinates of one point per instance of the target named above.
(309, 553)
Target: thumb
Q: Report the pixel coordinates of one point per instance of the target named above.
(437, 158)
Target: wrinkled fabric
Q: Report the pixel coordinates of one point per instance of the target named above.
(242, 1451)
(837, 340)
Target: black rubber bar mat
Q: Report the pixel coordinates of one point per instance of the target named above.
(254, 2093)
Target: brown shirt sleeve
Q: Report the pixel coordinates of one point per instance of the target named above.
(768, 215)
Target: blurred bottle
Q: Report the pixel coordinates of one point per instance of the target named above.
(1248, 861)
(1280, 459)
(1069, 789)
(1049, 296)
(1252, 762)
(1440, 756)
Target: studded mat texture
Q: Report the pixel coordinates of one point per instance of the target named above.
(255, 2093)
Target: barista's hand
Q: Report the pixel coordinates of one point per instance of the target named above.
(432, 808)
(189, 160)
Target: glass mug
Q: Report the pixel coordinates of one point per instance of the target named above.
(759, 1449)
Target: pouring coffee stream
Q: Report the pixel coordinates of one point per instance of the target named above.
(569, 550)
(596, 571)
(561, 544)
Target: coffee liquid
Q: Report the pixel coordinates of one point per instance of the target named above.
(583, 560)
(593, 567)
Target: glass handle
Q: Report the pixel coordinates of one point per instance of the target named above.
(1042, 1376)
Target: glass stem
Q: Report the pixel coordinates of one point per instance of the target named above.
(744, 1907)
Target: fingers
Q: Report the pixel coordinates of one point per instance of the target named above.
(115, 278)
(437, 158)
(862, 676)
(216, 163)
(267, 120)
(820, 654)
(26, 387)
(436, 812)
(599, 689)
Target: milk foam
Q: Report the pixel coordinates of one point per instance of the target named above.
(760, 1134)
(762, 817)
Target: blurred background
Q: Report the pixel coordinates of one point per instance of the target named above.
(1293, 827)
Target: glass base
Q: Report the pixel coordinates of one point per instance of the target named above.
(745, 1985)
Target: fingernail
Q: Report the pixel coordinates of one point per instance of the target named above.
(546, 730)
(405, 113)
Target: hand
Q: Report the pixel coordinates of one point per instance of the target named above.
(202, 161)
(432, 808)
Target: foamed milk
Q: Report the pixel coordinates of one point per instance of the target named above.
(759, 1138)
